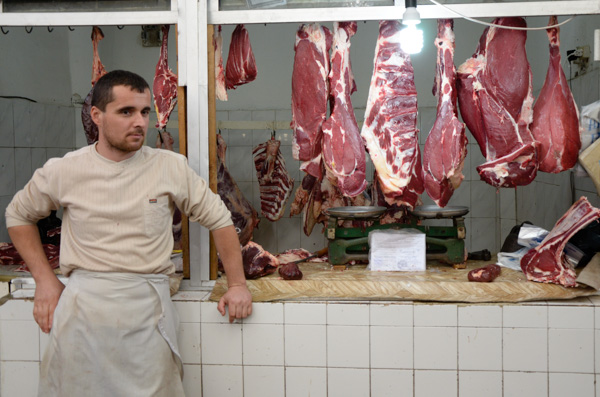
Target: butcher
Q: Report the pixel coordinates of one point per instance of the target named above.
(113, 327)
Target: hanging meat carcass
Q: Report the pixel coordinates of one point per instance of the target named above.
(220, 89)
(302, 194)
(241, 66)
(555, 116)
(390, 127)
(446, 146)
(243, 215)
(343, 147)
(546, 263)
(275, 183)
(165, 84)
(309, 95)
(98, 70)
(495, 99)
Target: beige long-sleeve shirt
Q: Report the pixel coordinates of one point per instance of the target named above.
(117, 215)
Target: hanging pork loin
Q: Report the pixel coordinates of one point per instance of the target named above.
(309, 95)
(275, 183)
(555, 116)
(390, 127)
(220, 89)
(495, 99)
(165, 84)
(343, 147)
(446, 146)
(241, 66)
(547, 263)
(243, 215)
(98, 70)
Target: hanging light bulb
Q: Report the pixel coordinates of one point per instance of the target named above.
(411, 38)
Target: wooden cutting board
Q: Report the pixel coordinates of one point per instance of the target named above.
(590, 160)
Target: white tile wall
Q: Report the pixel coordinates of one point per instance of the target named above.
(292, 349)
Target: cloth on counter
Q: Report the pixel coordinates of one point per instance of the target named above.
(121, 207)
(113, 334)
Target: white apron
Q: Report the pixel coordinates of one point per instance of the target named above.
(113, 334)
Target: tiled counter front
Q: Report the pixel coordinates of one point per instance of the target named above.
(360, 349)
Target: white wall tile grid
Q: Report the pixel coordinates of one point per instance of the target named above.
(360, 349)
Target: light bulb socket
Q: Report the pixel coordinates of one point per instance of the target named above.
(411, 16)
(410, 3)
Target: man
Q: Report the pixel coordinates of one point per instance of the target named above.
(114, 326)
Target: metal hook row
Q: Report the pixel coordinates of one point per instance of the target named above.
(29, 29)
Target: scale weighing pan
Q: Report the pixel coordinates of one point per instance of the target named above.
(357, 212)
(433, 211)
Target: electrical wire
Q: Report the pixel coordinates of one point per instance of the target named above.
(496, 25)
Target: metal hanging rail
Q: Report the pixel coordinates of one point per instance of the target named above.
(474, 10)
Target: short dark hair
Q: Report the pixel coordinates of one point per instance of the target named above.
(102, 94)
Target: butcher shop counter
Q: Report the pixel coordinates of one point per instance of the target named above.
(440, 282)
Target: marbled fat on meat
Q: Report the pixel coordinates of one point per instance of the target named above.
(275, 182)
(495, 100)
(555, 116)
(343, 147)
(220, 89)
(390, 127)
(309, 95)
(165, 84)
(446, 146)
(546, 263)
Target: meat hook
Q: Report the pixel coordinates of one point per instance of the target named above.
(120, 27)
(273, 134)
(30, 29)
(50, 29)
(71, 29)
(2, 29)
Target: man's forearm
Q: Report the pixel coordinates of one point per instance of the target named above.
(228, 247)
(27, 241)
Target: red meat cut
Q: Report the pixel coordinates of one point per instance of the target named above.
(244, 216)
(241, 66)
(275, 183)
(257, 262)
(98, 70)
(220, 90)
(290, 271)
(485, 274)
(555, 116)
(309, 95)
(546, 263)
(495, 99)
(343, 147)
(446, 146)
(390, 127)
(165, 84)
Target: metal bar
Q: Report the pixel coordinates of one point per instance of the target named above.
(475, 10)
(88, 18)
(277, 125)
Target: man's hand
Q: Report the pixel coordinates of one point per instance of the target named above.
(239, 301)
(47, 294)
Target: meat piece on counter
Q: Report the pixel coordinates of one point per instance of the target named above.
(495, 99)
(257, 261)
(546, 263)
(343, 147)
(555, 116)
(390, 127)
(485, 274)
(309, 95)
(275, 183)
(446, 146)
(243, 215)
(165, 84)
(241, 66)
(98, 70)
(293, 255)
(220, 89)
(290, 271)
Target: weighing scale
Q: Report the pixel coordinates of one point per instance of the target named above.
(443, 243)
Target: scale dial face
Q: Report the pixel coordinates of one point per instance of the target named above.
(433, 211)
(357, 212)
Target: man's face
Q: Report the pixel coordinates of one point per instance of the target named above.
(123, 125)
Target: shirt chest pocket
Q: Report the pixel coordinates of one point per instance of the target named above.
(157, 216)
